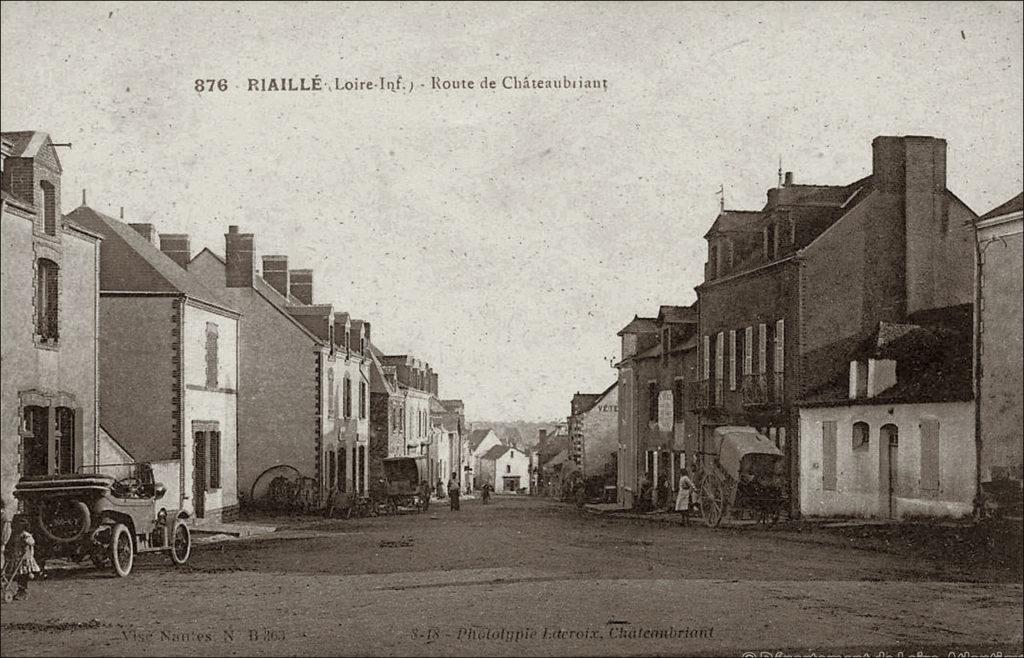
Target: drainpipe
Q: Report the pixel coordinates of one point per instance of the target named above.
(979, 498)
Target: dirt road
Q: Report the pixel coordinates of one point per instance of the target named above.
(524, 577)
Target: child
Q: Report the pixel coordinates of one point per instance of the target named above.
(24, 557)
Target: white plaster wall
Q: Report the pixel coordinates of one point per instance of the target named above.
(857, 471)
(218, 406)
(520, 466)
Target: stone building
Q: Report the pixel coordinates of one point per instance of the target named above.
(168, 368)
(49, 282)
(999, 352)
(297, 416)
(893, 436)
(656, 424)
(792, 290)
(593, 432)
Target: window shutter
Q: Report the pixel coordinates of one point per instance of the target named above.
(828, 455)
(215, 460)
(780, 345)
(211, 355)
(930, 454)
(719, 356)
(732, 360)
(706, 361)
(762, 348)
(748, 351)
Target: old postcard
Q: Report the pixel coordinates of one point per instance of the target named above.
(512, 329)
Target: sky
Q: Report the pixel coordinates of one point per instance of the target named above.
(503, 236)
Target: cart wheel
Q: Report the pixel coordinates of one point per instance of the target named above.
(181, 543)
(122, 553)
(712, 506)
(8, 595)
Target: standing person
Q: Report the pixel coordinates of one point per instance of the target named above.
(453, 492)
(485, 494)
(24, 557)
(440, 489)
(683, 498)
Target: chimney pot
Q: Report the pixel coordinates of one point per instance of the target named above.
(275, 272)
(789, 178)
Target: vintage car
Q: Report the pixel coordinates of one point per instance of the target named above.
(106, 518)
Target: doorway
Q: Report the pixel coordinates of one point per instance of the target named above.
(888, 468)
(199, 474)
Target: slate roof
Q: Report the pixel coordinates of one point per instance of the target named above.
(678, 314)
(1016, 204)
(589, 400)
(26, 143)
(731, 221)
(495, 452)
(476, 437)
(934, 361)
(639, 325)
(131, 263)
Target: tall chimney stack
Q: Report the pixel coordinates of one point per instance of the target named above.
(789, 178)
(147, 231)
(239, 257)
(275, 272)
(301, 285)
(176, 246)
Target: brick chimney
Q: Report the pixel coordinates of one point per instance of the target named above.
(176, 246)
(910, 173)
(147, 231)
(238, 250)
(301, 285)
(275, 272)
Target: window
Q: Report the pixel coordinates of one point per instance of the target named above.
(762, 348)
(332, 469)
(214, 443)
(211, 355)
(46, 300)
(65, 440)
(347, 396)
(861, 434)
(49, 197)
(362, 399)
(828, 455)
(666, 344)
(331, 401)
(652, 401)
(748, 351)
(769, 242)
(705, 365)
(36, 441)
(677, 399)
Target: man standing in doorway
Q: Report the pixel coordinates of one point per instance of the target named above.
(453, 492)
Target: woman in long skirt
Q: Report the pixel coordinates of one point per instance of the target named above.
(684, 496)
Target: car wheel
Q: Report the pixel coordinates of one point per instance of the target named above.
(181, 543)
(122, 553)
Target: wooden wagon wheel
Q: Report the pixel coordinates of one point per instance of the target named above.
(712, 501)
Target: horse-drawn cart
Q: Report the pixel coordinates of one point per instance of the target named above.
(738, 473)
(406, 482)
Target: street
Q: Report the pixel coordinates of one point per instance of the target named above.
(524, 576)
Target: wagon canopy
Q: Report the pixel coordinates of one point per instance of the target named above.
(405, 469)
(735, 443)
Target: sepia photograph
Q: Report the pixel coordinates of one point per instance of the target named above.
(512, 328)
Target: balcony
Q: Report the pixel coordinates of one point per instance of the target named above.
(763, 389)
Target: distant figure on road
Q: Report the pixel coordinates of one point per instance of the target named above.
(453, 491)
(440, 488)
(485, 493)
(683, 497)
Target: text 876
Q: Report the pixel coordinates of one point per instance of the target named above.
(210, 84)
